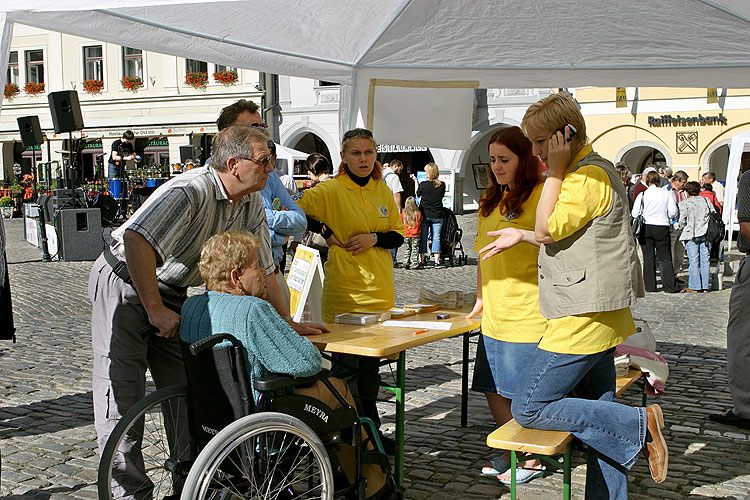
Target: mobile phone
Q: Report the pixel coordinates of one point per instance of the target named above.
(572, 129)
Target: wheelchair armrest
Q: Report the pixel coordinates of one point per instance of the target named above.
(280, 381)
(201, 345)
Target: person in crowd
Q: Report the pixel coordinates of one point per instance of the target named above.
(657, 208)
(356, 213)
(412, 219)
(635, 180)
(665, 177)
(625, 176)
(588, 279)
(640, 186)
(508, 282)
(738, 327)
(391, 176)
(285, 220)
(7, 328)
(431, 194)
(676, 187)
(318, 169)
(235, 298)
(716, 186)
(694, 212)
(707, 191)
(143, 276)
(123, 149)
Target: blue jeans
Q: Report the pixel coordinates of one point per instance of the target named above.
(433, 227)
(393, 255)
(614, 433)
(700, 268)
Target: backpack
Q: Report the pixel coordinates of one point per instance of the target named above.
(716, 227)
(450, 233)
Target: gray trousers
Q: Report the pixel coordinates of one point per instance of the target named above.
(678, 250)
(738, 341)
(412, 251)
(121, 358)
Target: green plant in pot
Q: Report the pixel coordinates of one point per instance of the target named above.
(6, 206)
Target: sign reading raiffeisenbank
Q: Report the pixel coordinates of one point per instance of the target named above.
(682, 121)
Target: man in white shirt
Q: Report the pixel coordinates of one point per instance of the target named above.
(391, 173)
(710, 178)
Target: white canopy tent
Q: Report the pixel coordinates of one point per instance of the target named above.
(285, 156)
(740, 144)
(379, 49)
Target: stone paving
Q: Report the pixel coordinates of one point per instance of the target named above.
(48, 441)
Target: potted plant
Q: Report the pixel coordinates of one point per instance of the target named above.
(33, 88)
(131, 83)
(6, 206)
(11, 91)
(93, 86)
(197, 80)
(226, 77)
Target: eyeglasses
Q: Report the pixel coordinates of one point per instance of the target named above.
(263, 162)
(259, 125)
(351, 134)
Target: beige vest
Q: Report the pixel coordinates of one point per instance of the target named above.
(596, 268)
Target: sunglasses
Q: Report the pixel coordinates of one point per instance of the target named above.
(263, 162)
(259, 125)
(357, 132)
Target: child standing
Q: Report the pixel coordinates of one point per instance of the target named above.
(412, 219)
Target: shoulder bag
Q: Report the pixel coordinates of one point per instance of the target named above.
(639, 223)
(716, 227)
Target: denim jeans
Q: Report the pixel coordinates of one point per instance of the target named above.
(700, 268)
(393, 255)
(614, 433)
(431, 226)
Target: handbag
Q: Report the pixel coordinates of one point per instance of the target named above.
(716, 227)
(639, 223)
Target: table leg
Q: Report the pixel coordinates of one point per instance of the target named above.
(465, 380)
(399, 391)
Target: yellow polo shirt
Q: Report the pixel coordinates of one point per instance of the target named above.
(510, 293)
(585, 195)
(363, 281)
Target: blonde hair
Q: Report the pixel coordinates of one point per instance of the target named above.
(432, 171)
(224, 252)
(410, 212)
(553, 113)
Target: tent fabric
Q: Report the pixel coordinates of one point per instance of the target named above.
(498, 43)
(736, 148)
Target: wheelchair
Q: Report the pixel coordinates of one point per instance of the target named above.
(210, 440)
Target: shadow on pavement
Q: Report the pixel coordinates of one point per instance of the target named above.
(49, 415)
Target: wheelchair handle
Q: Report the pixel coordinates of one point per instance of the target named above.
(201, 345)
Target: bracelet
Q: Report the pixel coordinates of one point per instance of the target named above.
(376, 237)
(326, 232)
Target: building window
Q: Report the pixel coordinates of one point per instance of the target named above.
(193, 66)
(132, 62)
(35, 66)
(323, 83)
(93, 63)
(13, 75)
(220, 67)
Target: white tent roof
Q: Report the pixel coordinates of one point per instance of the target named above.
(493, 43)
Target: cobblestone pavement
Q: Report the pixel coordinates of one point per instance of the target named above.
(48, 441)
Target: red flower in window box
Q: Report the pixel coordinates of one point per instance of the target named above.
(33, 88)
(197, 80)
(93, 86)
(131, 83)
(11, 91)
(226, 77)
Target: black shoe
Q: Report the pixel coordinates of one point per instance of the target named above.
(729, 418)
(438, 266)
(389, 445)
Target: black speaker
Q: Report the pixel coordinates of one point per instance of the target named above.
(31, 132)
(189, 153)
(79, 234)
(66, 111)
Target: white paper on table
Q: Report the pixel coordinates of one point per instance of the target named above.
(425, 325)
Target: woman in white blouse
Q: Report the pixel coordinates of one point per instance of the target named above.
(658, 208)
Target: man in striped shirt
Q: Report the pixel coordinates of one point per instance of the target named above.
(142, 278)
(678, 247)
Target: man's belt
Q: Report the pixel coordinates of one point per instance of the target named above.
(121, 271)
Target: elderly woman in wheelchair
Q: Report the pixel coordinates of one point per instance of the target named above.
(265, 421)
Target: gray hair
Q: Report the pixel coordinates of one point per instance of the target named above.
(236, 141)
(680, 176)
(667, 171)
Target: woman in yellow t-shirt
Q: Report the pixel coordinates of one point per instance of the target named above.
(588, 278)
(507, 290)
(361, 223)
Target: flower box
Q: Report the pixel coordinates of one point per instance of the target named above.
(11, 91)
(197, 80)
(33, 88)
(226, 77)
(93, 86)
(131, 83)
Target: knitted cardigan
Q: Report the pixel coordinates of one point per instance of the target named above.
(271, 345)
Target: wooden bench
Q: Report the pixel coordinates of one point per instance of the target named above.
(545, 445)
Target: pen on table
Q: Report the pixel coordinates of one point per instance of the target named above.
(418, 332)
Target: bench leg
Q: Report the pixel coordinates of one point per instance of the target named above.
(400, 390)
(513, 467)
(567, 471)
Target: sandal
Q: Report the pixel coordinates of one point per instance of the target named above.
(523, 476)
(497, 466)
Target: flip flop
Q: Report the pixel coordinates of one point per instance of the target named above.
(497, 466)
(523, 476)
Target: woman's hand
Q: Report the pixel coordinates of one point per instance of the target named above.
(359, 243)
(333, 241)
(307, 328)
(558, 153)
(506, 238)
(478, 308)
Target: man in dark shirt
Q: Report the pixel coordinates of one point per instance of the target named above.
(738, 328)
(122, 150)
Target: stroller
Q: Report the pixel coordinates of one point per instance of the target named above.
(450, 240)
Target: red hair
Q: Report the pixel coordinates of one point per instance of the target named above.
(528, 175)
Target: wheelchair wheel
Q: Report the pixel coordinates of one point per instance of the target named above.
(154, 440)
(266, 455)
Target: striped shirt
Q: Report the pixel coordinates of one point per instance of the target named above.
(182, 214)
(743, 209)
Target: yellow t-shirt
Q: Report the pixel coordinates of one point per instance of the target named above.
(510, 291)
(363, 281)
(585, 194)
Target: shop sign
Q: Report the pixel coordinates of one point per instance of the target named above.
(712, 96)
(621, 98)
(36, 147)
(93, 145)
(161, 141)
(391, 148)
(686, 121)
(687, 142)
